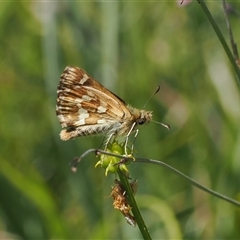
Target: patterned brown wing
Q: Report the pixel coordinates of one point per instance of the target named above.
(82, 100)
(85, 107)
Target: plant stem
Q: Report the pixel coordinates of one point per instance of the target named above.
(193, 182)
(135, 210)
(221, 38)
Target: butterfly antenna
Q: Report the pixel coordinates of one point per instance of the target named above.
(163, 124)
(158, 88)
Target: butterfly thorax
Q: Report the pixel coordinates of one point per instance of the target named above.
(138, 117)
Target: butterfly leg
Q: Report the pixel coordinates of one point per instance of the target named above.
(134, 140)
(108, 140)
(126, 141)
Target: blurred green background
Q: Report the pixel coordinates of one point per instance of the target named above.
(131, 48)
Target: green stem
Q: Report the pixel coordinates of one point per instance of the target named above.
(135, 210)
(221, 38)
(127, 187)
(193, 182)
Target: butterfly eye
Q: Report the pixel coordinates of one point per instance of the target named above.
(141, 121)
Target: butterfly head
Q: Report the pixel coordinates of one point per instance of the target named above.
(145, 117)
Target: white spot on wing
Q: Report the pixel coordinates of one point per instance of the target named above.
(84, 79)
(100, 121)
(80, 122)
(62, 120)
(101, 109)
(86, 98)
(83, 115)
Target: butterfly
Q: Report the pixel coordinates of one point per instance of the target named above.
(85, 107)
